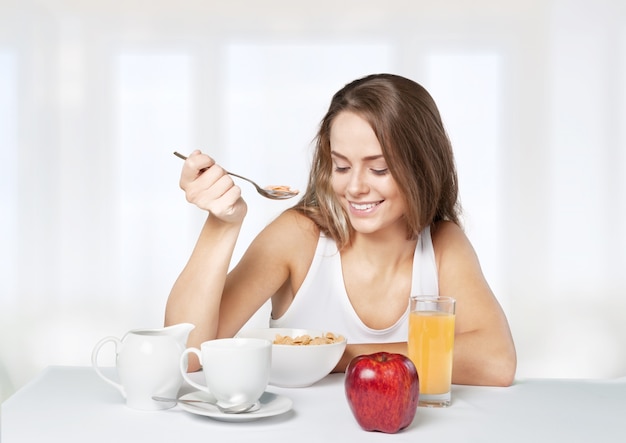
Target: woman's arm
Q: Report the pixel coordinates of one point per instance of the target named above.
(484, 353)
(217, 303)
(195, 296)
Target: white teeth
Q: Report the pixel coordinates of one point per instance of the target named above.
(364, 207)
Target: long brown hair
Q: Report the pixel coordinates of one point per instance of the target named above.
(415, 145)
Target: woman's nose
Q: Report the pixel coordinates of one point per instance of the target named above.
(357, 183)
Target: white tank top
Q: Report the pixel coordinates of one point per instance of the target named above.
(322, 302)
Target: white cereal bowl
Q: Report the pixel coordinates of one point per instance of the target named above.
(298, 366)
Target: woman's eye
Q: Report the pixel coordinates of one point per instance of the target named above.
(380, 171)
(340, 169)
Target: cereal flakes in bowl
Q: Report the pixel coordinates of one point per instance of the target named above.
(300, 357)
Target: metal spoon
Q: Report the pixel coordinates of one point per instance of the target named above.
(274, 194)
(235, 409)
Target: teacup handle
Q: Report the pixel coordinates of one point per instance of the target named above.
(94, 361)
(183, 368)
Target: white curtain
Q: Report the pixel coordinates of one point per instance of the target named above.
(95, 96)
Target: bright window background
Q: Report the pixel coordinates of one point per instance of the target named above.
(153, 109)
(8, 178)
(466, 88)
(95, 96)
(8, 207)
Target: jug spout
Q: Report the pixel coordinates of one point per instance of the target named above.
(180, 332)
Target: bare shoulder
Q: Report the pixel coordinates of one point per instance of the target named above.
(454, 253)
(448, 236)
(284, 248)
(290, 235)
(294, 226)
(298, 221)
(282, 254)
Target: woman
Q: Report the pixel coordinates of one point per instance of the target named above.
(379, 221)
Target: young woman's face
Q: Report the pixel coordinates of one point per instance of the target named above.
(361, 178)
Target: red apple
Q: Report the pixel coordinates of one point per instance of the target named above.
(383, 391)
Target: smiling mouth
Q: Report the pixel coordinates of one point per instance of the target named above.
(364, 206)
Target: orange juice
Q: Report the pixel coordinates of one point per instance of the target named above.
(430, 342)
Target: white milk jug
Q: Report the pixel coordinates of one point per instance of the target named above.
(147, 363)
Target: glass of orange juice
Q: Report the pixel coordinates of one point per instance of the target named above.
(431, 342)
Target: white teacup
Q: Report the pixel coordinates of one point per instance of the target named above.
(236, 370)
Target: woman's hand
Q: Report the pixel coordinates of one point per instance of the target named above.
(209, 187)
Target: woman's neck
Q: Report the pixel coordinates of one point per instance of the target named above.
(381, 250)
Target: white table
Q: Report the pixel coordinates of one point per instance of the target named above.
(71, 404)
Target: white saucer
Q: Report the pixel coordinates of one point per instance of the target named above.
(271, 404)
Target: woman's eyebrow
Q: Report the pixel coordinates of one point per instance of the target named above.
(368, 158)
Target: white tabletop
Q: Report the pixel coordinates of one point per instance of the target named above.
(71, 404)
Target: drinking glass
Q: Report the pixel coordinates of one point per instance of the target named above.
(430, 343)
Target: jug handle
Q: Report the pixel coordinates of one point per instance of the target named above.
(94, 361)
